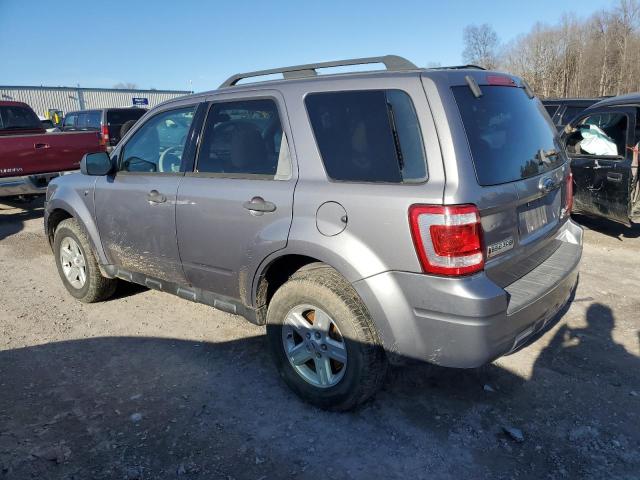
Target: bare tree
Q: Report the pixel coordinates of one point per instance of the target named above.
(126, 86)
(584, 58)
(480, 45)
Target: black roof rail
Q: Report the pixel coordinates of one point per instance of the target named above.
(459, 67)
(392, 62)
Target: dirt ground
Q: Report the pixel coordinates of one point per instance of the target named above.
(150, 386)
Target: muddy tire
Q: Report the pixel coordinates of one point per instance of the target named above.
(77, 265)
(324, 343)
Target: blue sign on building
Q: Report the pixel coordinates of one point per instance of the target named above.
(140, 101)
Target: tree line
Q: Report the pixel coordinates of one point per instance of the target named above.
(590, 57)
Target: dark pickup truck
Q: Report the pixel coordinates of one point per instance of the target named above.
(30, 157)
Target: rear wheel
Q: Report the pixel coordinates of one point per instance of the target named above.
(323, 341)
(77, 265)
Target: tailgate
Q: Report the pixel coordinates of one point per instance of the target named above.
(519, 176)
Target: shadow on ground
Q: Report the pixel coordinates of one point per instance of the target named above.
(13, 214)
(608, 227)
(139, 408)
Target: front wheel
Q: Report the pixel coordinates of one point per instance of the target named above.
(77, 265)
(323, 341)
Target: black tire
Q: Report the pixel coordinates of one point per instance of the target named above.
(323, 287)
(126, 126)
(96, 287)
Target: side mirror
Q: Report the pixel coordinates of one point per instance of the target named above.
(97, 164)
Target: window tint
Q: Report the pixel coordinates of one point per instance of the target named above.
(18, 118)
(244, 138)
(551, 109)
(368, 136)
(570, 113)
(506, 131)
(603, 134)
(89, 120)
(70, 121)
(158, 145)
(118, 117)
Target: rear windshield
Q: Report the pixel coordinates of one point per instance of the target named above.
(507, 131)
(18, 118)
(368, 136)
(118, 117)
(89, 120)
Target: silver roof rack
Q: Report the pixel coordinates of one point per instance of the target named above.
(392, 62)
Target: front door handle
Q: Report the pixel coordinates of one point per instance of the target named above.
(258, 206)
(614, 177)
(154, 196)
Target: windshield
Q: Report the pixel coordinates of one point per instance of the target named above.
(509, 134)
(18, 118)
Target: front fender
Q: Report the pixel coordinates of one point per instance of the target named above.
(75, 196)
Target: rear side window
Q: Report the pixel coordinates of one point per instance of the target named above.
(368, 136)
(18, 118)
(507, 130)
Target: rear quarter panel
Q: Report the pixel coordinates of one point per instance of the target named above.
(377, 236)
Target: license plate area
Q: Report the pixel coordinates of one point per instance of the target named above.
(539, 215)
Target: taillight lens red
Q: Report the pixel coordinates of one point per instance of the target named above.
(569, 193)
(105, 134)
(448, 239)
(501, 80)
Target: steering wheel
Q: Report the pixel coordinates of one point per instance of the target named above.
(164, 165)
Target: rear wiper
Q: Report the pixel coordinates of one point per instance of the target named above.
(543, 157)
(396, 139)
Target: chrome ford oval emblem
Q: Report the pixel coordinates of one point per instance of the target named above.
(546, 184)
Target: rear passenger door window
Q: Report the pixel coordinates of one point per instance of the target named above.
(368, 136)
(158, 145)
(244, 138)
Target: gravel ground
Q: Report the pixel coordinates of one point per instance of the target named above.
(150, 386)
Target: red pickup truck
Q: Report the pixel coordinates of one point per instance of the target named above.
(30, 157)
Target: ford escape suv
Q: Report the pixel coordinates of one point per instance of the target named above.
(364, 218)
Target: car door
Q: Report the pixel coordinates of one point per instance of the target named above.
(235, 208)
(135, 207)
(600, 147)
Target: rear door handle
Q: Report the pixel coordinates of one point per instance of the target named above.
(154, 196)
(614, 177)
(40, 146)
(258, 205)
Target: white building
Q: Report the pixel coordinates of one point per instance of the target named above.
(67, 99)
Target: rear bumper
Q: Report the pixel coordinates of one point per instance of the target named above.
(27, 184)
(467, 322)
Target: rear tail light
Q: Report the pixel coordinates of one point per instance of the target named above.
(448, 239)
(569, 193)
(105, 134)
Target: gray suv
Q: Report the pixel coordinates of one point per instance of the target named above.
(364, 218)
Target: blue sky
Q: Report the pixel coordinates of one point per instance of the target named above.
(168, 44)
